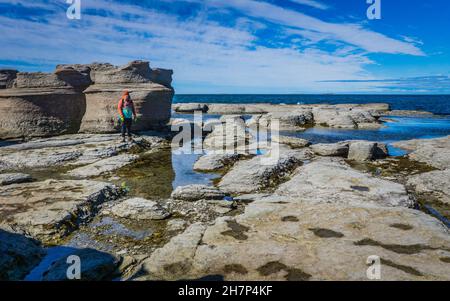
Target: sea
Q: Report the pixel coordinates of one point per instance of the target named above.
(437, 104)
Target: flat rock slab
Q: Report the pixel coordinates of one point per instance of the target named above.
(297, 241)
(18, 255)
(434, 152)
(52, 209)
(331, 149)
(213, 162)
(331, 180)
(435, 184)
(73, 150)
(293, 142)
(139, 209)
(261, 172)
(174, 260)
(103, 166)
(197, 192)
(14, 178)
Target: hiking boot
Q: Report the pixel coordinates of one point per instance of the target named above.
(123, 140)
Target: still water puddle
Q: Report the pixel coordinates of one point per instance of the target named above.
(396, 129)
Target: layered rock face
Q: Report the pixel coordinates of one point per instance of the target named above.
(150, 90)
(42, 104)
(82, 98)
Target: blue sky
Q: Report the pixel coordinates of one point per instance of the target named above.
(243, 46)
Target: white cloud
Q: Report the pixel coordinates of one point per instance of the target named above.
(312, 3)
(204, 53)
(353, 34)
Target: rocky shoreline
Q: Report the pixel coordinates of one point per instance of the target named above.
(315, 213)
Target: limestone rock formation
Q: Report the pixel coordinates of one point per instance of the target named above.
(7, 78)
(362, 151)
(42, 104)
(48, 104)
(150, 90)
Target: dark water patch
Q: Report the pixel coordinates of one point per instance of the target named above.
(439, 210)
(289, 218)
(110, 227)
(445, 259)
(235, 268)
(236, 231)
(271, 268)
(293, 274)
(404, 268)
(297, 275)
(9, 142)
(177, 268)
(149, 177)
(399, 168)
(402, 227)
(401, 249)
(326, 233)
(360, 188)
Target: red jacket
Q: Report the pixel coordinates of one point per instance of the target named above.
(125, 101)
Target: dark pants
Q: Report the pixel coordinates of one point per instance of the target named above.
(126, 127)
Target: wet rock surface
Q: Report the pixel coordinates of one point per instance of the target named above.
(434, 184)
(52, 209)
(215, 162)
(14, 178)
(139, 209)
(71, 150)
(197, 192)
(103, 166)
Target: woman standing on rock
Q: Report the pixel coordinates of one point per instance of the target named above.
(127, 112)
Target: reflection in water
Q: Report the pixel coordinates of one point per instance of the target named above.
(396, 129)
(151, 176)
(156, 175)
